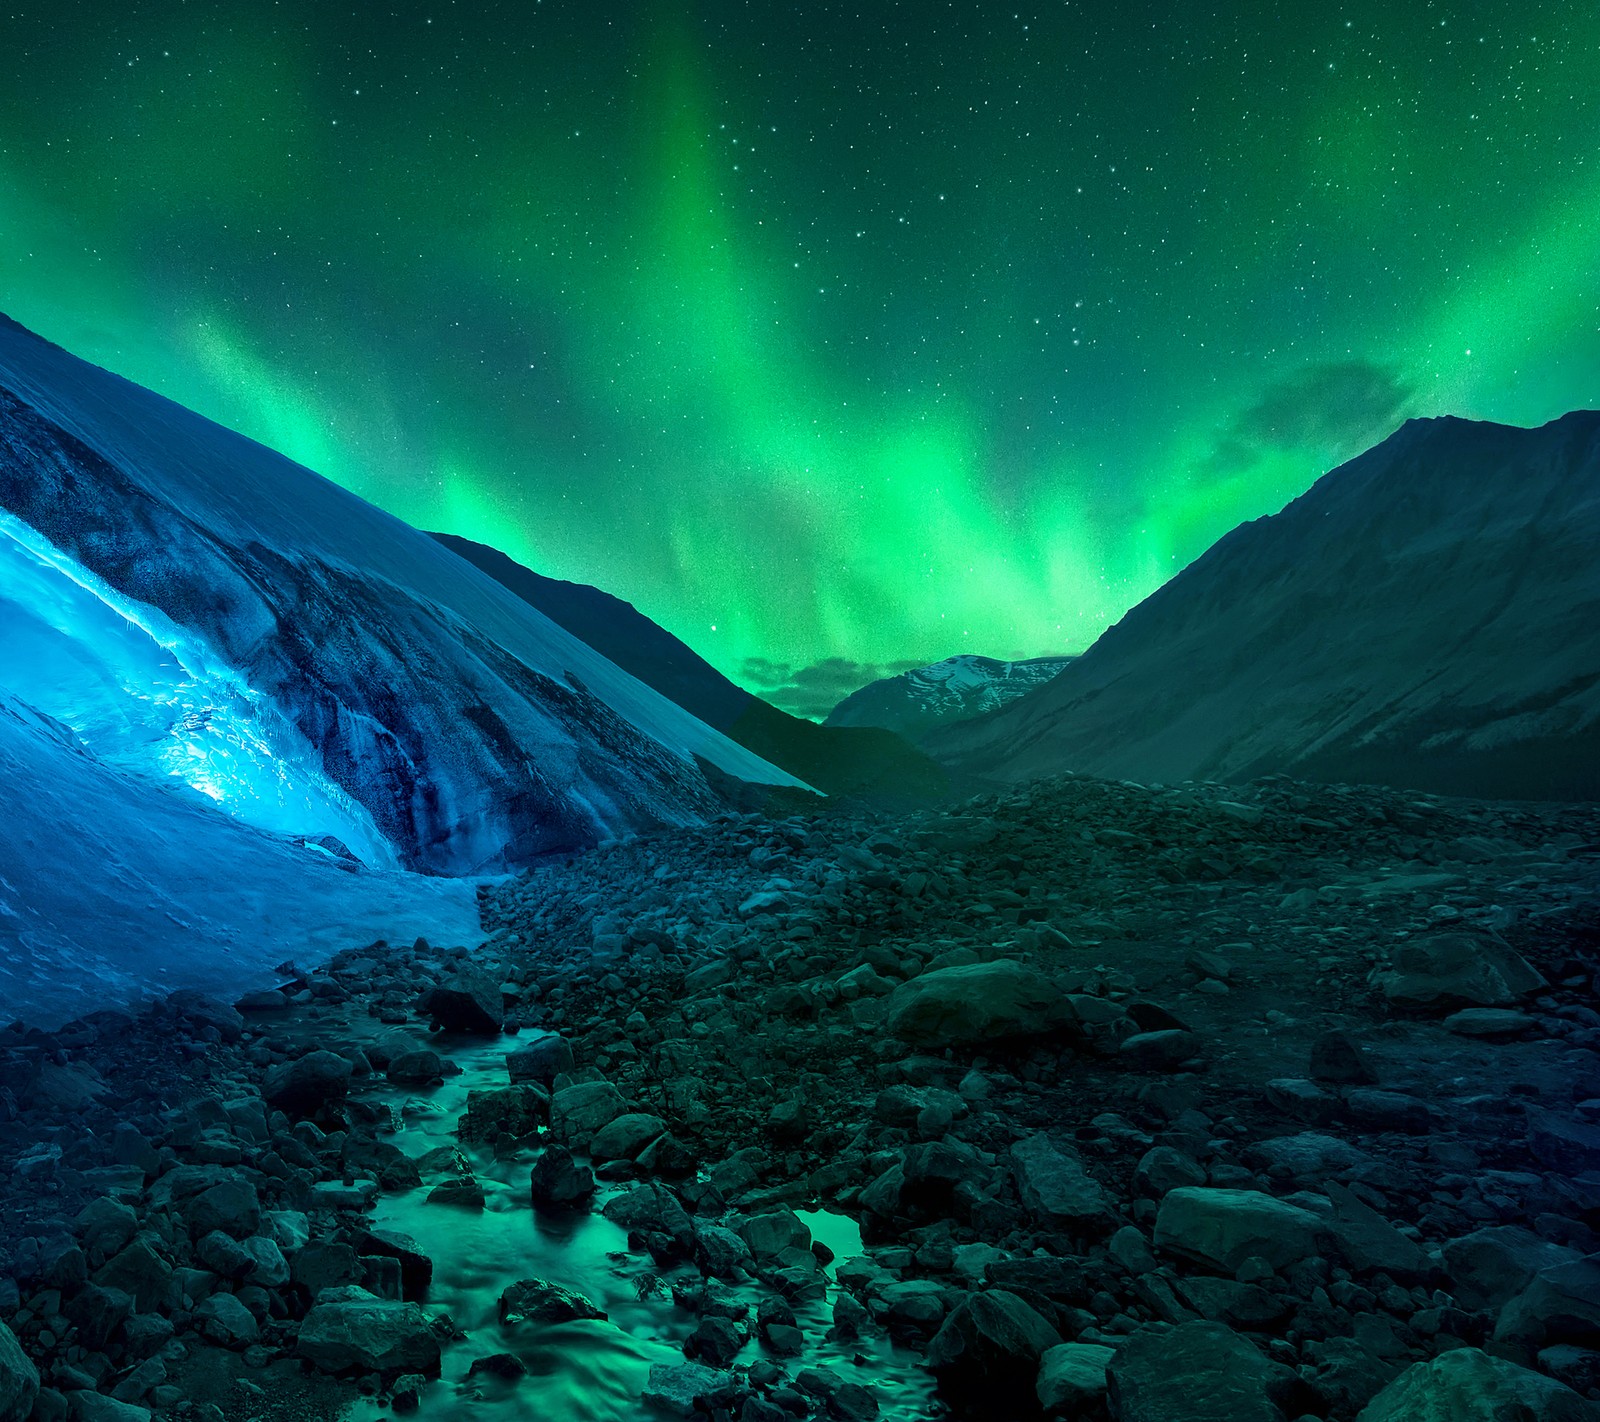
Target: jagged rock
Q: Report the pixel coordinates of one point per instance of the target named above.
(418, 1068)
(1196, 1372)
(104, 1227)
(416, 1268)
(304, 1086)
(1072, 1378)
(768, 1235)
(138, 1270)
(539, 1301)
(680, 1389)
(1469, 1385)
(625, 1137)
(1056, 1189)
(1490, 1266)
(467, 1193)
(19, 1379)
(1458, 970)
(980, 1002)
(720, 1251)
(558, 1181)
(1161, 1168)
(1368, 1242)
(651, 1207)
(1561, 1143)
(223, 1319)
(541, 1060)
(991, 1342)
(579, 1111)
(516, 1111)
(1307, 1158)
(1223, 1228)
(355, 1332)
(718, 1341)
(1559, 1304)
(469, 1003)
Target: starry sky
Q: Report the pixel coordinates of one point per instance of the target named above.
(835, 337)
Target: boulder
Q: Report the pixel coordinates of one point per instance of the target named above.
(232, 1206)
(651, 1209)
(542, 1060)
(1469, 1385)
(1560, 1304)
(1223, 1228)
(558, 1181)
(469, 1003)
(1196, 1372)
(416, 1269)
(1056, 1189)
(578, 1112)
(684, 1389)
(223, 1319)
(991, 1344)
(355, 1332)
(19, 1379)
(625, 1137)
(1161, 1168)
(503, 1111)
(768, 1235)
(304, 1086)
(1072, 1379)
(1562, 1144)
(1456, 969)
(419, 1068)
(1490, 1266)
(539, 1301)
(975, 1003)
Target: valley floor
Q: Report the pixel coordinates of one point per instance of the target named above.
(1029, 1106)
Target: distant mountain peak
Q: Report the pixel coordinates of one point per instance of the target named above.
(924, 699)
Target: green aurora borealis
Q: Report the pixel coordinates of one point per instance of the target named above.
(844, 335)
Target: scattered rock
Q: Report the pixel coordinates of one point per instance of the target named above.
(1469, 1385)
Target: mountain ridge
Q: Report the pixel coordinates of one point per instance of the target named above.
(1462, 603)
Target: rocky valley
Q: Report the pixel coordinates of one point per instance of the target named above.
(1082, 1099)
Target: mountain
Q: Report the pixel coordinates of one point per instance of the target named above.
(1426, 615)
(923, 699)
(426, 709)
(858, 761)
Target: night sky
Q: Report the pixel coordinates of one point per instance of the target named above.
(833, 337)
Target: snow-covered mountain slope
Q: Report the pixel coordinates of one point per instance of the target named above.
(861, 761)
(114, 885)
(470, 730)
(923, 699)
(1427, 615)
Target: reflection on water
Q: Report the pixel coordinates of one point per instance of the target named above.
(587, 1371)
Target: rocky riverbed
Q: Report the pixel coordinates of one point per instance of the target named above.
(1087, 1100)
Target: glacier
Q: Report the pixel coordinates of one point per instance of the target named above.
(246, 716)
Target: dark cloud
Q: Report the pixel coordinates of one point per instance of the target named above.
(1339, 409)
(814, 690)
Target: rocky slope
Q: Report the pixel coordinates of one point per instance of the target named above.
(926, 698)
(1426, 615)
(852, 760)
(474, 731)
(1149, 1105)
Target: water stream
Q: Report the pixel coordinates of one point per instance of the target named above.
(584, 1371)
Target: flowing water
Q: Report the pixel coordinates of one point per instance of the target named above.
(588, 1371)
